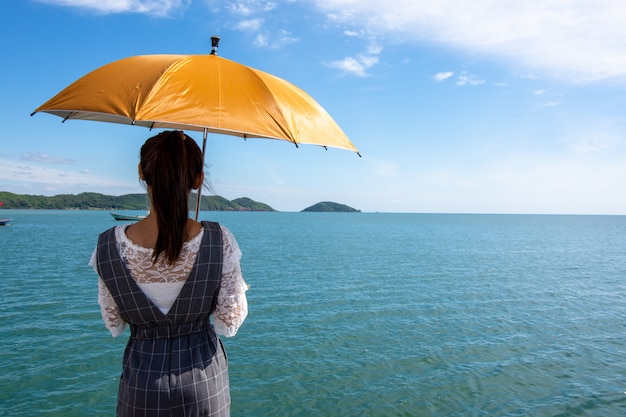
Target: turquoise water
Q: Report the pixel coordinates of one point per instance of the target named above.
(351, 314)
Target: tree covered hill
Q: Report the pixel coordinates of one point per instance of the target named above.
(96, 201)
(329, 206)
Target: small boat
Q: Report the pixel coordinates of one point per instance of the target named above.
(5, 221)
(118, 216)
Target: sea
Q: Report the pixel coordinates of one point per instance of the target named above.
(351, 315)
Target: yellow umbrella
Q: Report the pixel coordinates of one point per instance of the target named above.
(204, 93)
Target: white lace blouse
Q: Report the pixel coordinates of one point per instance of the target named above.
(162, 282)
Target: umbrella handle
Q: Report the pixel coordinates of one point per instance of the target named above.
(204, 135)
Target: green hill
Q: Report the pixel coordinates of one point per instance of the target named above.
(329, 206)
(96, 201)
(249, 204)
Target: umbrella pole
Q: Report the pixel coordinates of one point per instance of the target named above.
(204, 135)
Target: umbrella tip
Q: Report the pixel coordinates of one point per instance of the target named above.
(215, 41)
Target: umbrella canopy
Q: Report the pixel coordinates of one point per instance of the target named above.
(198, 92)
(205, 93)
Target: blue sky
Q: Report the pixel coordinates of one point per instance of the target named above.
(456, 106)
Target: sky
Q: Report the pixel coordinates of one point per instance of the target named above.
(456, 106)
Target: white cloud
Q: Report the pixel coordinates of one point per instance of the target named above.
(249, 7)
(160, 8)
(349, 65)
(278, 40)
(355, 65)
(593, 142)
(240, 9)
(21, 177)
(579, 41)
(46, 159)
(285, 38)
(249, 25)
(442, 76)
(360, 63)
(374, 48)
(261, 40)
(562, 185)
(367, 60)
(514, 183)
(465, 79)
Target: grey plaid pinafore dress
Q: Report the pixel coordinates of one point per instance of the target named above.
(174, 364)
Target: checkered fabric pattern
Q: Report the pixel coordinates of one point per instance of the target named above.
(174, 364)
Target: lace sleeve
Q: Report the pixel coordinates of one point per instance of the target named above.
(108, 308)
(110, 312)
(232, 305)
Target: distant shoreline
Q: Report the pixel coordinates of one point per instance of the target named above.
(139, 201)
(97, 201)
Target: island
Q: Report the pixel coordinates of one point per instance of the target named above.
(96, 201)
(329, 206)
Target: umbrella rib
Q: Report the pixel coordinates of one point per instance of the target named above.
(285, 132)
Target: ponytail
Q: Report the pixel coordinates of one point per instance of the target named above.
(170, 163)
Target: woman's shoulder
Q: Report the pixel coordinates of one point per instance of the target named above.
(226, 233)
(231, 247)
(124, 242)
(228, 239)
(225, 230)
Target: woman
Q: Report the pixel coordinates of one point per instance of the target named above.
(165, 276)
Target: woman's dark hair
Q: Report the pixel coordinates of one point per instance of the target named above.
(170, 164)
